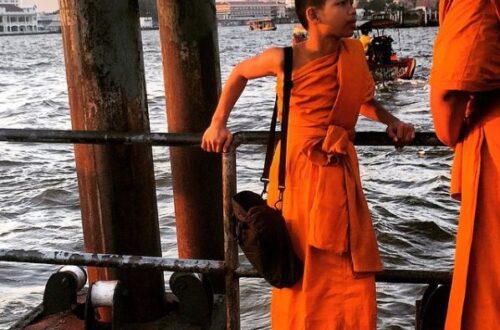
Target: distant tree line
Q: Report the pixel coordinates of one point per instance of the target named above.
(373, 5)
(377, 5)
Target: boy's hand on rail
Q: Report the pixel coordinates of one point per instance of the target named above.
(401, 133)
(216, 139)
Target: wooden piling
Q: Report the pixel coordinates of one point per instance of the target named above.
(191, 70)
(106, 87)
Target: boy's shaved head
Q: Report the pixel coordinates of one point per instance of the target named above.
(301, 6)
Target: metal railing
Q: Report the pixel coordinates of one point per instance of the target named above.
(230, 266)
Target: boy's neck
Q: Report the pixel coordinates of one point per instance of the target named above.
(322, 46)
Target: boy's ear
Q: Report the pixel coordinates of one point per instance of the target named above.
(312, 14)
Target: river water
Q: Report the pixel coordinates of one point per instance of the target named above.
(39, 208)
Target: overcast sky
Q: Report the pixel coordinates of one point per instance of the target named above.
(46, 5)
(42, 5)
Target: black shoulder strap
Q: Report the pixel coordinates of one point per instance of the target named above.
(287, 86)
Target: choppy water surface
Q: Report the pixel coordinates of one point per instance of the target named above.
(39, 207)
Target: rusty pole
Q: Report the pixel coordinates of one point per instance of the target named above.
(188, 34)
(106, 87)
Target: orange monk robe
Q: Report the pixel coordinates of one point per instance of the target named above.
(324, 206)
(467, 58)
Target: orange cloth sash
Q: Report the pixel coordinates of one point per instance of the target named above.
(329, 216)
(332, 149)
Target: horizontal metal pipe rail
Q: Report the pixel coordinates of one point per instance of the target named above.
(187, 265)
(112, 260)
(230, 266)
(178, 139)
(99, 137)
(386, 276)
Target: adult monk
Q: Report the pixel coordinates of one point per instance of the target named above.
(326, 212)
(465, 104)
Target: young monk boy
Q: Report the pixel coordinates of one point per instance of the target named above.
(365, 38)
(465, 104)
(324, 206)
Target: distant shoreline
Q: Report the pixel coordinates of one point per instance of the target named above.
(27, 33)
(157, 28)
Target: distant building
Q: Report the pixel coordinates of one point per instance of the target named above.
(14, 19)
(248, 10)
(408, 4)
(49, 22)
(431, 4)
(146, 22)
(429, 9)
(223, 11)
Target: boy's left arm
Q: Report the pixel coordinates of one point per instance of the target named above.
(401, 133)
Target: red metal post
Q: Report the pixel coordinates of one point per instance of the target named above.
(106, 87)
(188, 34)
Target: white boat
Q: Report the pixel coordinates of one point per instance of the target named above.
(262, 25)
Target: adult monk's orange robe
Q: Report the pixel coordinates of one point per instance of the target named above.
(324, 206)
(467, 58)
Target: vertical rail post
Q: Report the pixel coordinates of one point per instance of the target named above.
(230, 245)
(191, 69)
(107, 92)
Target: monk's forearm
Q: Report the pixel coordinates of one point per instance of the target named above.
(230, 93)
(448, 109)
(375, 111)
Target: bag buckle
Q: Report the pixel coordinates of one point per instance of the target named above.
(277, 205)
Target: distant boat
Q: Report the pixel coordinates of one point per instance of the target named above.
(261, 25)
(382, 59)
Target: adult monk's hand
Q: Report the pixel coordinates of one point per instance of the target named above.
(217, 138)
(400, 133)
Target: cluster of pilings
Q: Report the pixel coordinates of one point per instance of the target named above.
(107, 92)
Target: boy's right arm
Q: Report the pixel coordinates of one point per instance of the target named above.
(217, 138)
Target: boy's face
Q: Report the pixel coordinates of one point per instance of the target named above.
(337, 18)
